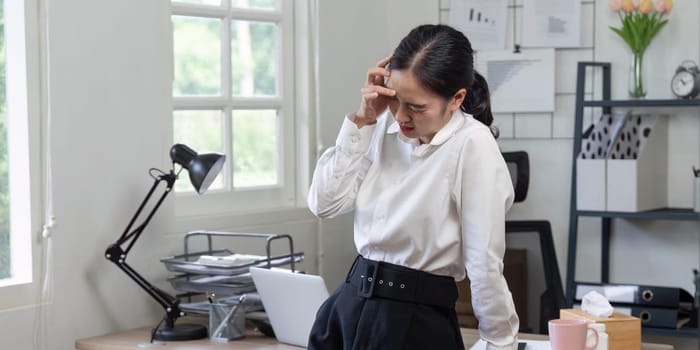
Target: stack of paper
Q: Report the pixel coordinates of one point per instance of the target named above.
(229, 260)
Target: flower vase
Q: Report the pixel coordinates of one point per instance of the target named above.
(636, 78)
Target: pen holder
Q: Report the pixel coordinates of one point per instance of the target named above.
(226, 322)
(696, 206)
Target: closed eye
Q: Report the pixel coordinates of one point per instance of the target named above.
(416, 108)
(412, 106)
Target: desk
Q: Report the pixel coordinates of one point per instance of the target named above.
(129, 340)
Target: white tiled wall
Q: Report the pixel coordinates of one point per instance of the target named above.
(558, 124)
(548, 140)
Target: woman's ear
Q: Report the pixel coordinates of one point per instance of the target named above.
(457, 99)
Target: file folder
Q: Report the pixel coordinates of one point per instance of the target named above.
(642, 295)
(658, 317)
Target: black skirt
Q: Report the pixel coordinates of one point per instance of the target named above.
(386, 306)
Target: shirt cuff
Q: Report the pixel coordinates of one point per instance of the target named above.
(352, 139)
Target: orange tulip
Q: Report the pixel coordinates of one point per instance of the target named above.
(616, 5)
(627, 6)
(640, 20)
(663, 6)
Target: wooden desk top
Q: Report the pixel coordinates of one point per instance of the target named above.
(130, 340)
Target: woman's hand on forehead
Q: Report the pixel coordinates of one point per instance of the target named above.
(375, 94)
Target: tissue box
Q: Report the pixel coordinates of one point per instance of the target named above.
(624, 331)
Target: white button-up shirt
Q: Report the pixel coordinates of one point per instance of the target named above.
(434, 207)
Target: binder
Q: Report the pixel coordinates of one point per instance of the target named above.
(658, 317)
(638, 295)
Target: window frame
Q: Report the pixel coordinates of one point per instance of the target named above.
(230, 199)
(25, 105)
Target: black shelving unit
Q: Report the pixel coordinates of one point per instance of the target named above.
(606, 217)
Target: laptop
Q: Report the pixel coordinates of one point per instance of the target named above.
(291, 301)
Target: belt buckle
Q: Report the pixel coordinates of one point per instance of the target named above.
(369, 278)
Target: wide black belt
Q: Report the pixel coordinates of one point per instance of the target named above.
(385, 280)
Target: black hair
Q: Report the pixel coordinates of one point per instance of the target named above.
(442, 60)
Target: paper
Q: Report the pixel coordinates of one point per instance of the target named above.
(596, 304)
(531, 345)
(599, 140)
(482, 21)
(633, 136)
(519, 82)
(229, 260)
(551, 23)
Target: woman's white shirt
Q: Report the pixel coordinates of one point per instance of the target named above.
(435, 207)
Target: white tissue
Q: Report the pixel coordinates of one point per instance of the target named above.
(596, 304)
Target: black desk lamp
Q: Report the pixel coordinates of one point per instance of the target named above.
(203, 169)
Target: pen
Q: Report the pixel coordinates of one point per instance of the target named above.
(218, 330)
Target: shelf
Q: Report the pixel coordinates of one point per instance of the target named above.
(681, 214)
(670, 214)
(682, 332)
(642, 103)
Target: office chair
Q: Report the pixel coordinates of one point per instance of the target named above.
(552, 300)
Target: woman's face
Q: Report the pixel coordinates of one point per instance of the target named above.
(420, 112)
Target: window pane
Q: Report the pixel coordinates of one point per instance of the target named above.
(201, 2)
(4, 191)
(201, 131)
(256, 4)
(255, 148)
(253, 58)
(197, 51)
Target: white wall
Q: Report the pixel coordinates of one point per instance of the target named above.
(110, 95)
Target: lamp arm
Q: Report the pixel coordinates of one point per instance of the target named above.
(132, 236)
(117, 254)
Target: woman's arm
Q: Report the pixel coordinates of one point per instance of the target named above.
(485, 193)
(341, 169)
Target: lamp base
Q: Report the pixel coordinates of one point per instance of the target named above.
(181, 332)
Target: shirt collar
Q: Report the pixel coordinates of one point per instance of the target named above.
(454, 124)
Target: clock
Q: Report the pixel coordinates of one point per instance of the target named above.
(686, 80)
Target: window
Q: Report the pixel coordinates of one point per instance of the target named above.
(233, 93)
(4, 180)
(19, 136)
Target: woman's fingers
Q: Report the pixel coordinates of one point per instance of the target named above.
(375, 93)
(376, 75)
(384, 61)
(379, 90)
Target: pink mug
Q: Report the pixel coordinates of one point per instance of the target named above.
(571, 335)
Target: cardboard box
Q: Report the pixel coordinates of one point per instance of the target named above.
(591, 184)
(624, 331)
(591, 163)
(639, 183)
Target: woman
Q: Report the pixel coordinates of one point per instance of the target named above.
(419, 165)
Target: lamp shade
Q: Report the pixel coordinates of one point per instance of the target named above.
(203, 168)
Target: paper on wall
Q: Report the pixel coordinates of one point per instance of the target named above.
(482, 21)
(551, 23)
(519, 82)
